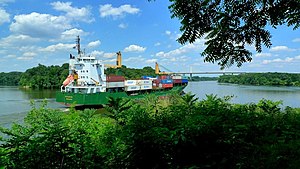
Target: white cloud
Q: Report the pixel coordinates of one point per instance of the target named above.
(57, 47)
(72, 33)
(263, 54)
(168, 32)
(198, 45)
(109, 55)
(134, 48)
(80, 14)
(97, 53)
(157, 44)
(6, 1)
(39, 25)
(151, 61)
(278, 60)
(108, 10)
(296, 40)
(27, 56)
(17, 40)
(122, 25)
(280, 48)
(4, 16)
(10, 56)
(94, 44)
(134, 59)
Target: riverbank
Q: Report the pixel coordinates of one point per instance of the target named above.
(263, 79)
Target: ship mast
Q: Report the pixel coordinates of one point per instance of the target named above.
(78, 45)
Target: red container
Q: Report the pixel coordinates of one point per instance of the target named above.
(167, 85)
(177, 81)
(164, 77)
(114, 78)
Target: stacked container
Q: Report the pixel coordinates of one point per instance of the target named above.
(177, 79)
(145, 84)
(131, 85)
(166, 83)
(155, 83)
(134, 85)
(113, 81)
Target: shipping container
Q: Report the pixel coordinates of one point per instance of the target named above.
(177, 81)
(130, 82)
(144, 82)
(114, 78)
(167, 85)
(164, 77)
(114, 84)
(146, 87)
(132, 88)
(185, 81)
(146, 77)
(166, 81)
(176, 77)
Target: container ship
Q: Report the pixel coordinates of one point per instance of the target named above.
(88, 85)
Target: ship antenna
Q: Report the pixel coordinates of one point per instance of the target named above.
(78, 44)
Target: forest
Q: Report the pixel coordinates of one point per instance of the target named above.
(198, 78)
(175, 132)
(10, 79)
(131, 73)
(264, 79)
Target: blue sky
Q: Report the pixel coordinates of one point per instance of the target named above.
(34, 31)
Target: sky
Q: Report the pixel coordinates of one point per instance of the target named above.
(36, 32)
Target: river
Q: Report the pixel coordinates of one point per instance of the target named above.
(15, 102)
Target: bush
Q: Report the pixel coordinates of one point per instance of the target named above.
(178, 132)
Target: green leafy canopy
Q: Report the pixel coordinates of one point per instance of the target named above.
(230, 25)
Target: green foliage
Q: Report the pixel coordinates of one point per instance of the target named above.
(44, 77)
(197, 78)
(176, 132)
(229, 26)
(265, 79)
(10, 79)
(131, 73)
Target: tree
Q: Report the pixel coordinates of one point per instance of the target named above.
(230, 25)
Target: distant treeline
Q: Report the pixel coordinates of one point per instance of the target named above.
(264, 79)
(197, 78)
(37, 77)
(10, 79)
(131, 73)
(44, 77)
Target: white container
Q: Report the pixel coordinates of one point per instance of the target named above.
(132, 88)
(176, 77)
(146, 87)
(114, 84)
(144, 82)
(130, 82)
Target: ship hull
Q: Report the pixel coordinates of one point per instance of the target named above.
(80, 99)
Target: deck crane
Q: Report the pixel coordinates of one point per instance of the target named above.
(118, 63)
(159, 72)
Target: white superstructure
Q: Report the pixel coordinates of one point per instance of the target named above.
(86, 74)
